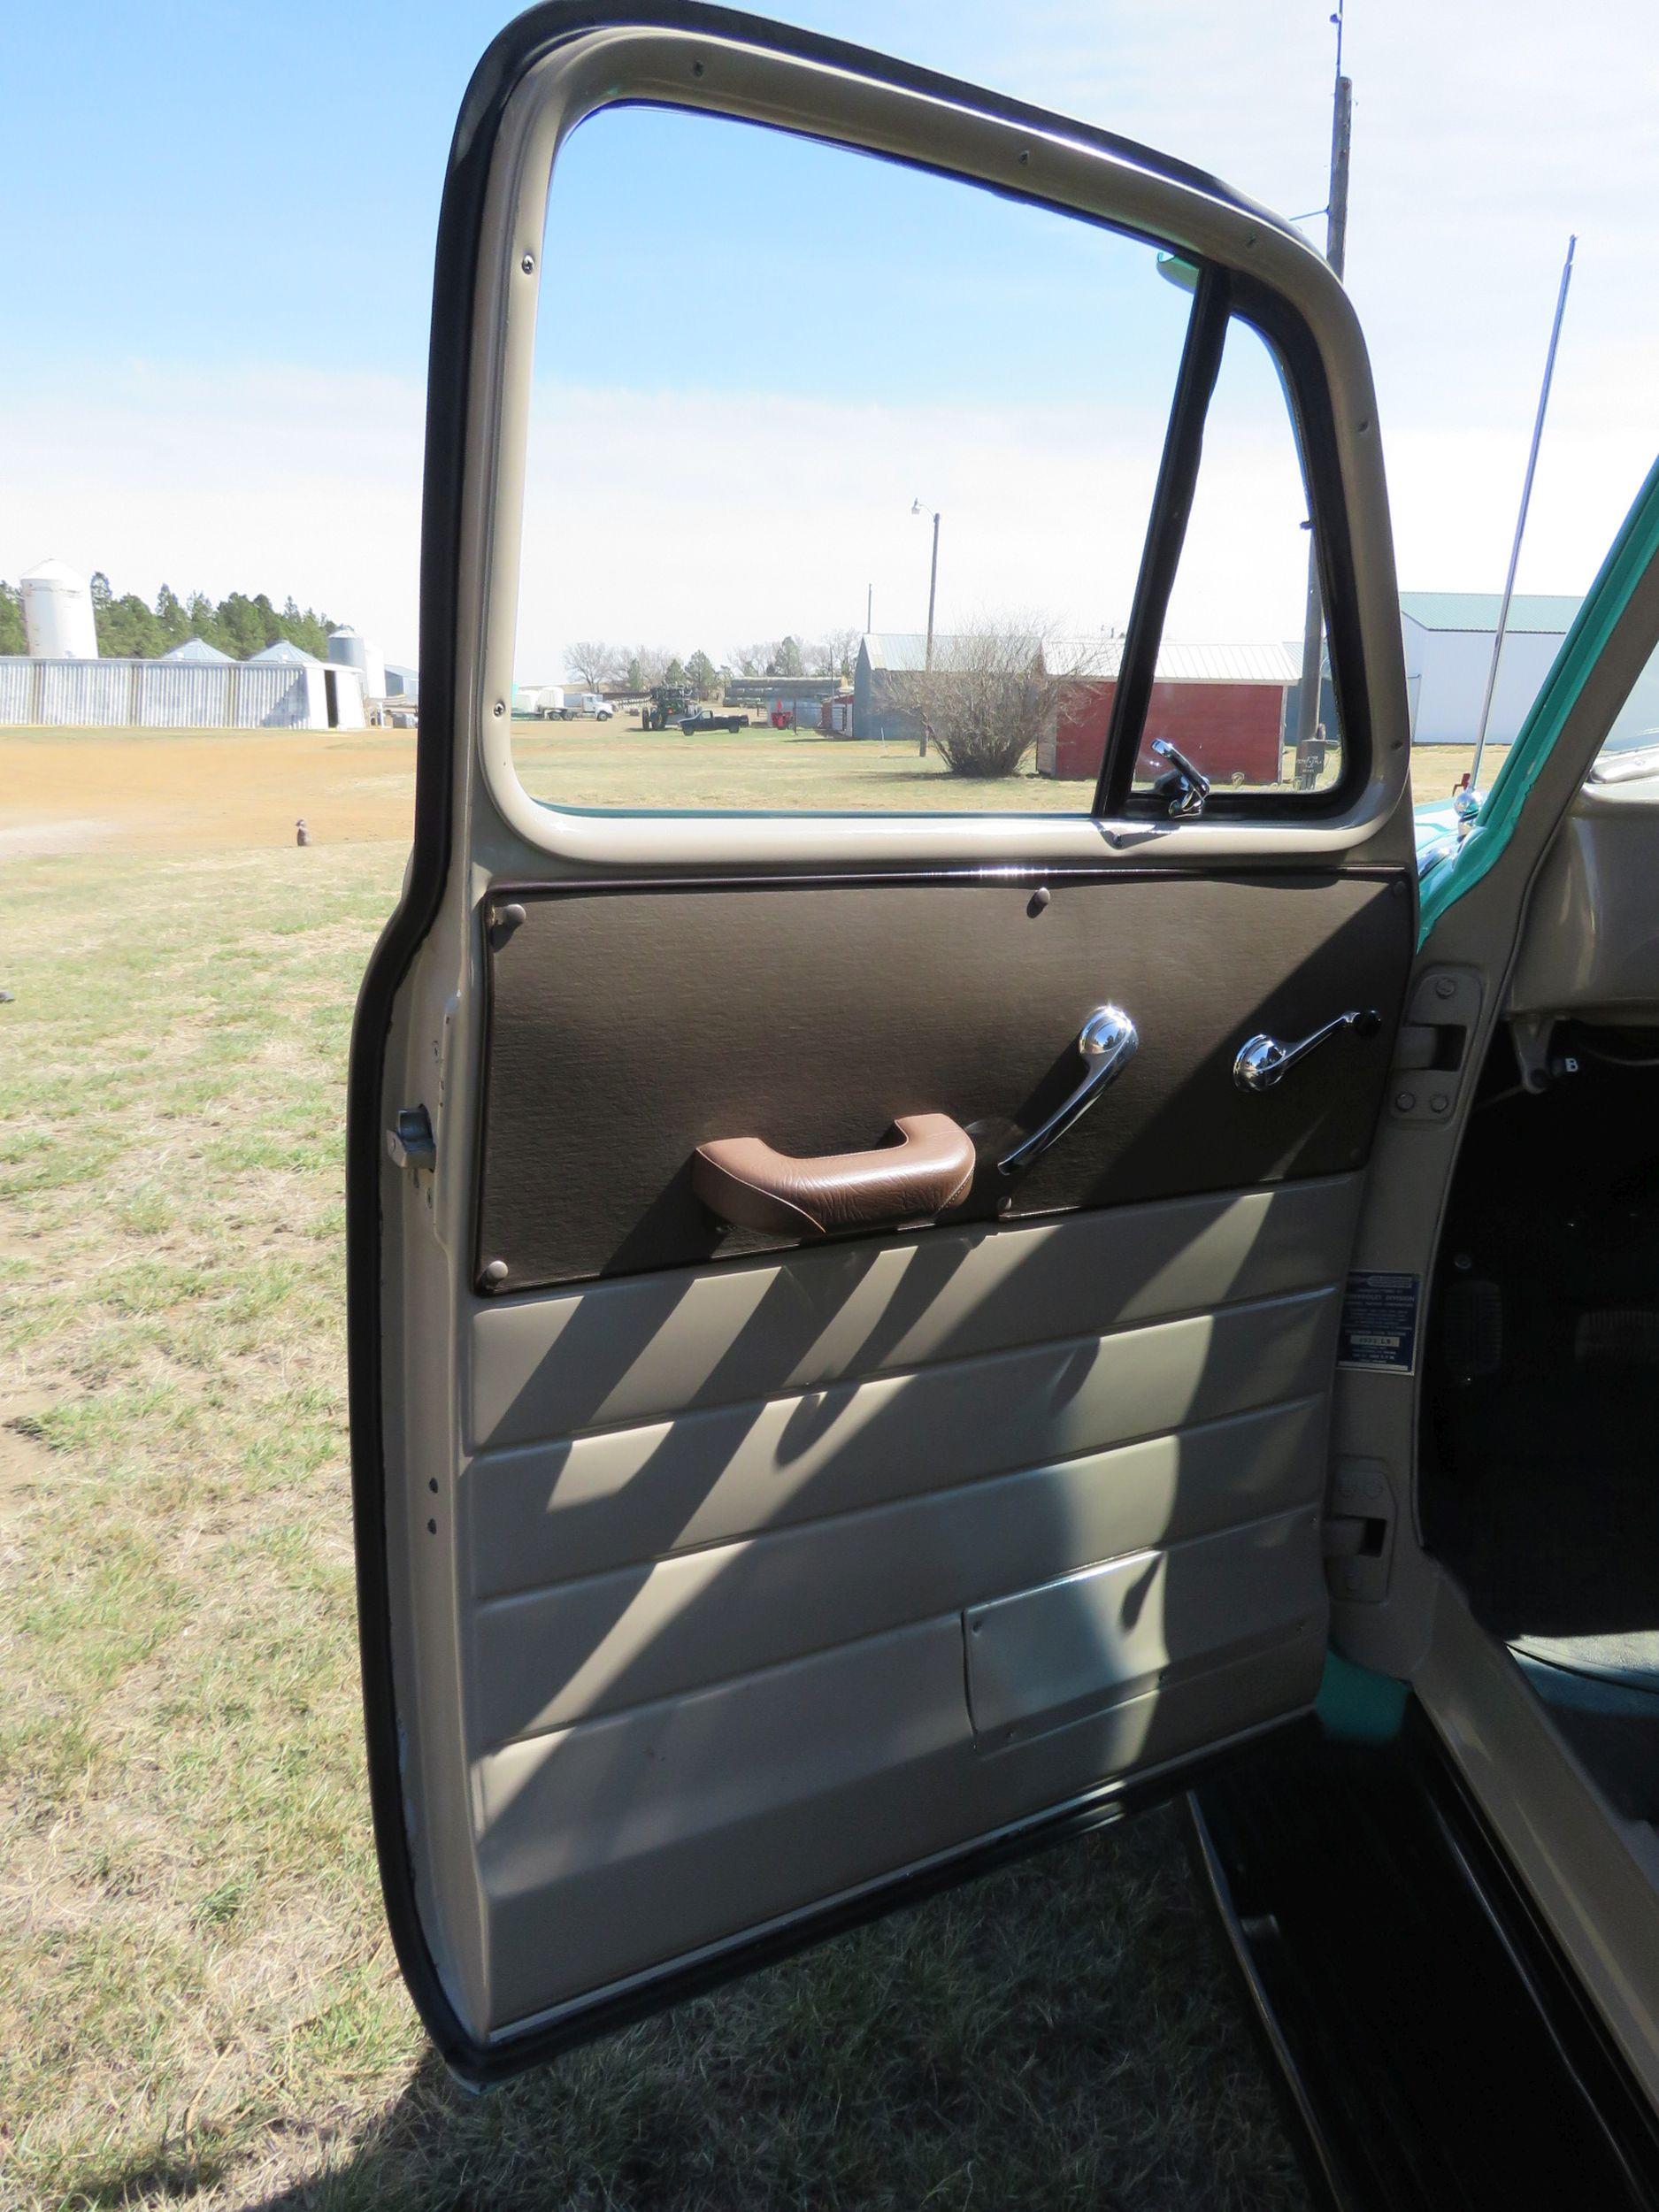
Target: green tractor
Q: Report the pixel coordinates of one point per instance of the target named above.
(673, 702)
(665, 705)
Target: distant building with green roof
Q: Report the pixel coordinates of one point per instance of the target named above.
(1448, 637)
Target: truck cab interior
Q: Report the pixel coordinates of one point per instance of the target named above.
(1539, 1480)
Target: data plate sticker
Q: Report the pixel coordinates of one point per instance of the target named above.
(1379, 1323)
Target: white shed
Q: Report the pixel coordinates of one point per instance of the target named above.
(1448, 637)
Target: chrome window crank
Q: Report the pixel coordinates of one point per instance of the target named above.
(1183, 787)
(1107, 1043)
(1262, 1061)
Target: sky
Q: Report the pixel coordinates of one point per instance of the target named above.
(223, 221)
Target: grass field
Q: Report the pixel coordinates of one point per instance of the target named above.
(197, 2002)
(188, 791)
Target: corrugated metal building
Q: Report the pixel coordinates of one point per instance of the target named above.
(878, 707)
(1448, 637)
(182, 693)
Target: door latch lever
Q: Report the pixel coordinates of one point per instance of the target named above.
(411, 1142)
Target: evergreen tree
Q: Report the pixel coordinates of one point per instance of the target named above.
(674, 673)
(786, 660)
(129, 631)
(636, 673)
(171, 617)
(243, 631)
(13, 637)
(700, 673)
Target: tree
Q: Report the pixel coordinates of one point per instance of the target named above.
(992, 691)
(842, 649)
(126, 629)
(751, 660)
(785, 658)
(203, 621)
(653, 661)
(674, 673)
(701, 675)
(242, 627)
(635, 678)
(593, 660)
(170, 619)
(13, 637)
(309, 631)
(129, 631)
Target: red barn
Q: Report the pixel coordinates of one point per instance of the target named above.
(1222, 705)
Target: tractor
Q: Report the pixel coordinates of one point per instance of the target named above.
(673, 702)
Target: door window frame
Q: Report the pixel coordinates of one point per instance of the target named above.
(568, 71)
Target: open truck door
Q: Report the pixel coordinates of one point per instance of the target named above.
(843, 1305)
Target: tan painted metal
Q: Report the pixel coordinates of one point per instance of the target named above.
(569, 1826)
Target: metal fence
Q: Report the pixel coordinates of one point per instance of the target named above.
(155, 695)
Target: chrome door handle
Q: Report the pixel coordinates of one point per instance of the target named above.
(1264, 1061)
(1107, 1043)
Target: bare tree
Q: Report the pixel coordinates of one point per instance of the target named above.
(754, 660)
(992, 691)
(653, 660)
(841, 647)
(594, 661)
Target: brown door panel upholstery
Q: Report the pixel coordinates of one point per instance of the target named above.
(630, 1024)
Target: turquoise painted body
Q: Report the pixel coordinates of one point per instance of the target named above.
(1356, 1705)
(1628, 557)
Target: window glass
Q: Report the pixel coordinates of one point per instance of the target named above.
(1242, 646)
(772, 379)
(1631, 746)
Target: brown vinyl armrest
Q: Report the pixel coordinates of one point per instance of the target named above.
(744, 1181)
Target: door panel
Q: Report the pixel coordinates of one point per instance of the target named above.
(875, 1440)
(627, 1025)
(717, 1585)
(808, 1781)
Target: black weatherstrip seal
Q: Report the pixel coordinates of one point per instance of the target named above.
(524, 42)
(1166, 533)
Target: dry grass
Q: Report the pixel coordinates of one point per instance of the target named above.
(189, 791)
(196, 2000)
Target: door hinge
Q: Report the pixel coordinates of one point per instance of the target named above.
(1358, 1536)
(411, 1142)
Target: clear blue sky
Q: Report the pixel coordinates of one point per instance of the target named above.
(223, 219)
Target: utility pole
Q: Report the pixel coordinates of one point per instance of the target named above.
(1335, 249)
(916, 508)
(870, 609)
(1520, 520)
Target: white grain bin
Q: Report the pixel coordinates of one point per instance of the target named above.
(347, 649)
(58, 614)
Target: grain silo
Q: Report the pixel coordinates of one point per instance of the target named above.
(58, 614)
(347, 649)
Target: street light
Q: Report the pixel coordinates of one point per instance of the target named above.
(916, 508)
